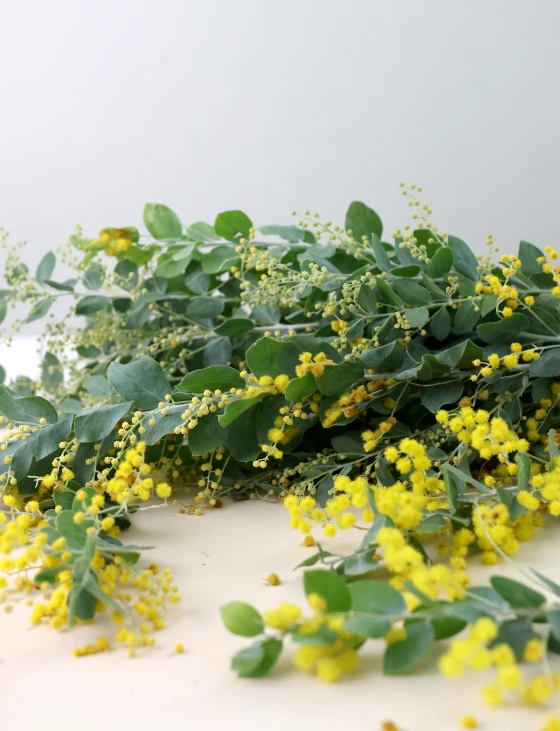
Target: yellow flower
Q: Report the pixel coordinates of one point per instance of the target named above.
(492, 695)
(329, 670)
(509, 677)
(469, 722)
(533, 650)
(163, 490)
(281, 618)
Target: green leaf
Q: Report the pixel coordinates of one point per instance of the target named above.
(504, 330)
(126, 275)
(383, 261)
(212, 378)
(445, 627)
(268, 357)
(161, 222)
(547, 365)
(529, 255)
(554, 620)
(140, 255)
(303, 387)
(515, 509)
(330, 587)
(516, 633)
(25, 409)
(207, 435)
(461, 355)
(217, 351)
(73, 532)
(92, 303)
(432, 287)
(64, 498)
(350, 443)
(387, 294)
(385, 358)
(235, 327)
(323, 636)
(315, 345)
(196, 280)
(205, 308)
(51, 371)
(174, 262)
(336, 379)
(412, 293)
(464, 261)
(97, 386)
(201, 232)
(466, 317)
(288, 233)
(93, 277)
(163, 424)
(440, 324)
(46, 267)
(232, 224)
(141, 381)
(488, 304)
(376, 597)
(411, 270)
(518, 595)
(46, 440)
(418, 316)
(257, 660)
(463, 478)
(359, 563)
(49, 575)
(401, 655)
(441, 263)
(234, 409)
(434, 397)
(367, 626)
(451, 490)
(431, 524)
(219, 259)
(39, 309)
(243, 441)
(81, 604)
(99, 421)
(366, 299)
(242, 619)
(362, 221)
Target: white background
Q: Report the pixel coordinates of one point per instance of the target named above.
(272, 106)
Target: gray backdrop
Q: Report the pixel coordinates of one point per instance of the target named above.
(269, 106)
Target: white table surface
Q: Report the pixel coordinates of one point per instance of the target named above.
(222, 556)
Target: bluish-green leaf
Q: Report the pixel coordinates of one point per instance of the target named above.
(25, 409)
(376, 597)
(441, 263)
(234, 409)
(232, 224)
(46, 267)
(162, 222)
(464, 261)
(268, 357)
(97, 423)
(212, 378)
(362, 221)
(330, 587)
(401, 655)
(504, 330)
(141, 381)
(242, 619)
